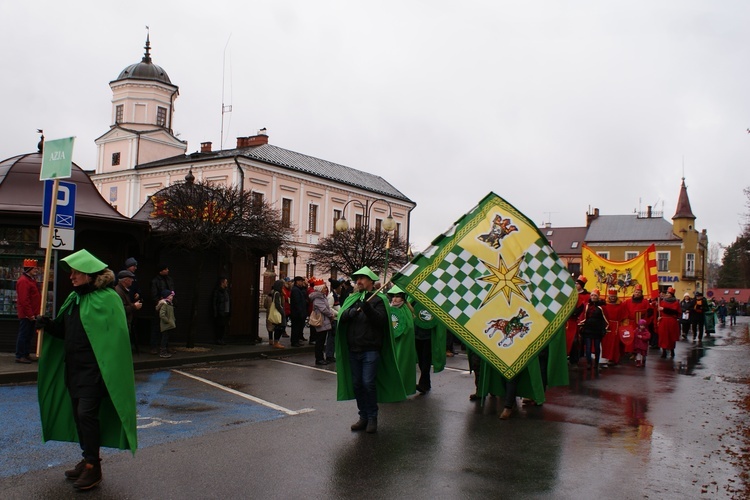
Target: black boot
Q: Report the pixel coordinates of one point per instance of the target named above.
(90, 477)
(359, 425)
(663, 354)
(672, 354)
(372, 425)
(76, 471)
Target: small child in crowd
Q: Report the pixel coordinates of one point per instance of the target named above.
(640, 343)
(166, 321)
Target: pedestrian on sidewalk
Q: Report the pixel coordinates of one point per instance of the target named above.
(732, 306)
(222, 309)
(334, 302)
(686, 317)
(299, 313)
(321, 310)
(276, 300)
(28, 304)
(162, 281)
(86, 383)
(167, 324)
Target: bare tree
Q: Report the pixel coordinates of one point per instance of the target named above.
(350, 250)
(203, 217)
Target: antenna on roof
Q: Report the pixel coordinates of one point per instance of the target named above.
(225, 108)
(549, 218)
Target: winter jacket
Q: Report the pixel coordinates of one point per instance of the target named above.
(365, 323)
(320, 304)
(593, 324)
(166, 315)
(28, 296)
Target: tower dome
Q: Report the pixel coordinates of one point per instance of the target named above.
(145, 70)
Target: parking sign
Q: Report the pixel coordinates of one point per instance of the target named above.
(65, 214)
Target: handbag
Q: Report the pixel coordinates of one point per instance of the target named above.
(316, 319)
(274, 316)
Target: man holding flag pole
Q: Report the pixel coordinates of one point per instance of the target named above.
(494, 280)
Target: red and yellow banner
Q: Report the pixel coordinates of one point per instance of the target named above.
(623, 276)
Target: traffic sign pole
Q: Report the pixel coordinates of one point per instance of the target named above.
(47, 259)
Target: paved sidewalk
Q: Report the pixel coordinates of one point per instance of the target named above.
(14, 373)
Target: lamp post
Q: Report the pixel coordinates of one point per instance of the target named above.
(294, 260)
(388, 225)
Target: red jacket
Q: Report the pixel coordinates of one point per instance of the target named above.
(29, 299)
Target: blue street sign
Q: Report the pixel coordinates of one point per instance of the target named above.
(65, 213)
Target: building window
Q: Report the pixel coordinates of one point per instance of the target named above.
(118, 113)
(631, 255)
(690, 264)
(312, 218)
(257, 200)
(359, 221)
(662, 262)
(574, 244)
(574, 268)
(115, 158)
(603, 255)
(286, 212)
(336, 216)
(397, 231)
(309, 270)
(161, 116)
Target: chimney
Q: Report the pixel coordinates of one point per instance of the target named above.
(648, 212)
(252, 141)
(591, 217)
(205, 147)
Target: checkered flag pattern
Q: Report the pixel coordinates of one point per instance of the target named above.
(549, 280)
(453, 286)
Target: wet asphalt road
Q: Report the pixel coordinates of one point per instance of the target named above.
(272, 429)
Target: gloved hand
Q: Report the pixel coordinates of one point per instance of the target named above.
(43, 322)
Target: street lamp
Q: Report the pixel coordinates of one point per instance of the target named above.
(388, 225)
(294, 260)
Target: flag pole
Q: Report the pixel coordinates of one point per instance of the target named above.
(47, 259)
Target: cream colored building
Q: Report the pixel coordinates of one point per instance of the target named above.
(139, 155)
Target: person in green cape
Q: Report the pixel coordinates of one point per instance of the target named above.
(429, 339)
(86, 385)
(366, 363)
(402, 319)
(548, 369)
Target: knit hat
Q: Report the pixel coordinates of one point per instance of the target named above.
(166, 293)
(131, 262)
(84, 262)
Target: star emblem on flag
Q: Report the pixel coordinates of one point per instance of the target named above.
(504, 280)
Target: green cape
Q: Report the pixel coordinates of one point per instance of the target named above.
(425, 320)
(390, 388)
(103, 318)
(402, 323)
(530, 383)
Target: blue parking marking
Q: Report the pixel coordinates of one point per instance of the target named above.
(169, 408)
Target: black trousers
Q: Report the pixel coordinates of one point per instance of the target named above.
(424, 361)
(86, 416)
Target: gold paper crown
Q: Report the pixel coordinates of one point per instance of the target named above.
(30, 263)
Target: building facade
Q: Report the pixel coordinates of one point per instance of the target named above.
(139, 156)
(681, 250)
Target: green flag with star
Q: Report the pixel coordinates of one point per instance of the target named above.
(494, 280)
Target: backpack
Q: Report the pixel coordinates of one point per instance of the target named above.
(699, 305)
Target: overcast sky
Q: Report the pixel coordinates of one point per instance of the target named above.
(555, 106)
